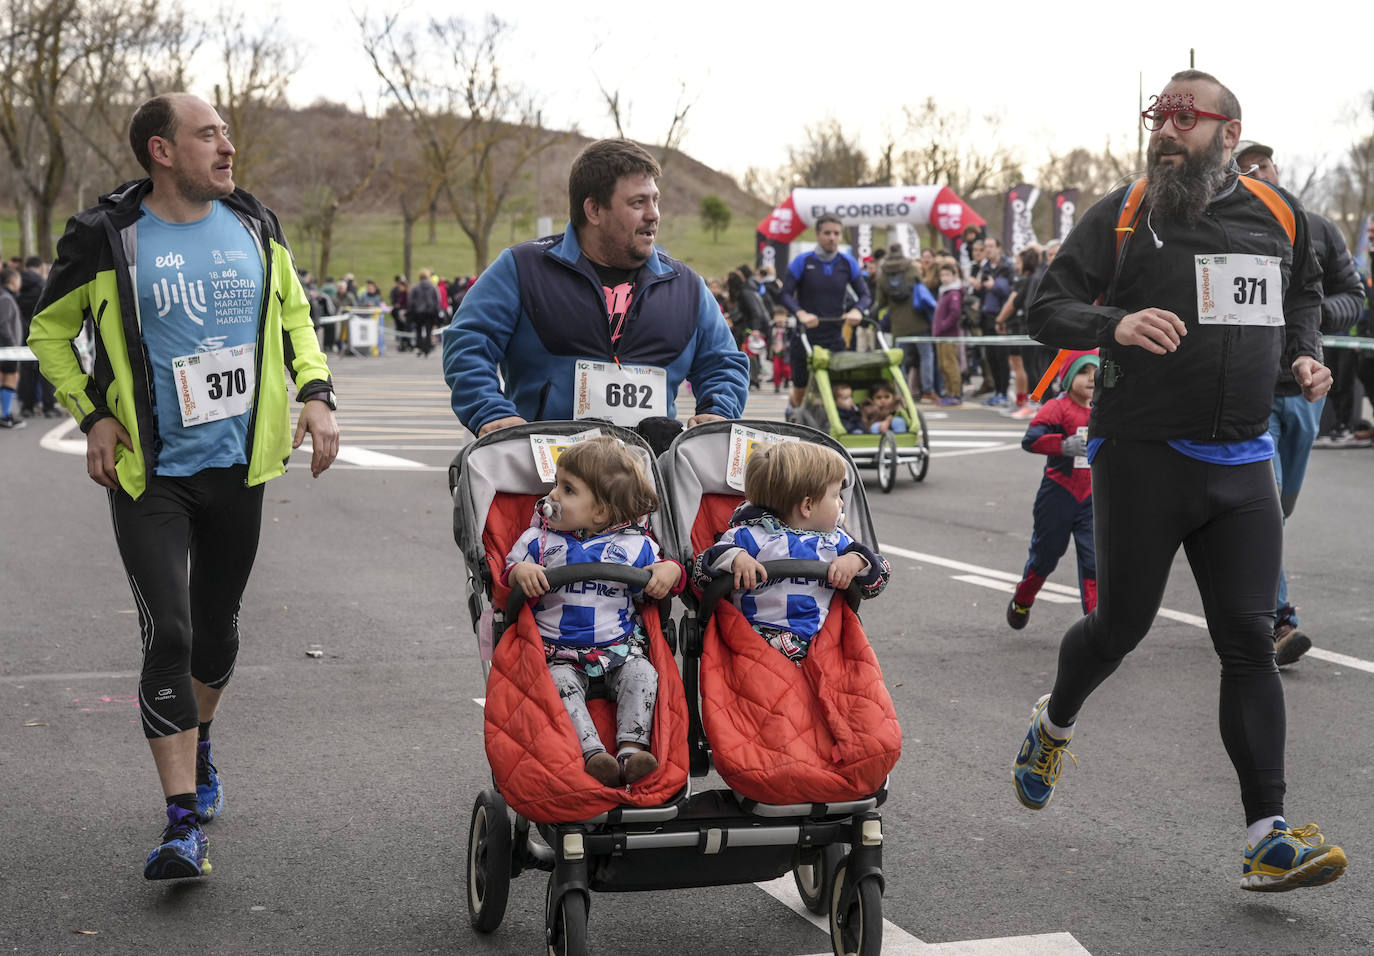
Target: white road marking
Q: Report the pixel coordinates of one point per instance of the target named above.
(992, 578)
(367, 458)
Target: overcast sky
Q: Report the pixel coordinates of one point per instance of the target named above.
(757, 74)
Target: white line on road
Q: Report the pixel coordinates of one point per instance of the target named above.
(992, 578)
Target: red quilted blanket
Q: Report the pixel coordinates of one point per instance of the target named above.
(823, 732)
(533, 752)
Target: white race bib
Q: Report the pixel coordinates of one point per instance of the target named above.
(547, 448)
(214, 385)
(1081, 461)
(1241, 289)
(625, 394)
(743, 442)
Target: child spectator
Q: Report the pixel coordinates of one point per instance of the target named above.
(777, 346)
(880, 411)
(948, 311)
(591, 514)
(1063, 505)
(793, 510)
(851, 416)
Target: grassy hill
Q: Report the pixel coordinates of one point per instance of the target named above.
(368, 234)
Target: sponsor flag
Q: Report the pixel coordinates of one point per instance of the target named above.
(1065, 210)
(1017, 229)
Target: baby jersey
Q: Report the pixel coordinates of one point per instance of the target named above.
(584, 613)
(792, 604)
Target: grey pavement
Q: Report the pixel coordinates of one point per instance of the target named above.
(350, 778)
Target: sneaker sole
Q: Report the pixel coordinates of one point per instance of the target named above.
(170, 865)
(1295, 647)
(1320, 870)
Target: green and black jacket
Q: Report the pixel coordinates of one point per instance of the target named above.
(91, 279)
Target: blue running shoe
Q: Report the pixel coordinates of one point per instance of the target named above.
(209, 788)
(1289, 858)
(184, 851)
(1038, 765)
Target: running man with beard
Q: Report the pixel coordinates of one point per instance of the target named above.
(1198, 307)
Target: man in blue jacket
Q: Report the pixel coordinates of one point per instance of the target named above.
(597, 322)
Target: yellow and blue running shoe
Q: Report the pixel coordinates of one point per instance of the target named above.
(1289, 858)
(184, 850)
(1037, 767)
(209, 789)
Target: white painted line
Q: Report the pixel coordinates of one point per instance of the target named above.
(1343, 660)
(1007, 587)
(935, 453)
(56, 439)
(354, 455)
(974, 433)
(989, 577)
(936, 443)
(1047, 944)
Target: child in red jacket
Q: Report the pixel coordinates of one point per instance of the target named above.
(1063, 505)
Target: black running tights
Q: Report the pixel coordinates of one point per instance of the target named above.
(188, 547)
(1147, 500)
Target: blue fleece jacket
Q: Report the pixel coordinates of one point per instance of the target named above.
(540, 307)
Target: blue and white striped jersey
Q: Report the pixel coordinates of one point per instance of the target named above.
(585, 613)
(798, 605)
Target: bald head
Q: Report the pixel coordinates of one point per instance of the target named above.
(157, 117)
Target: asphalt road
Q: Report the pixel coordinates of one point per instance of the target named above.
(350, 777)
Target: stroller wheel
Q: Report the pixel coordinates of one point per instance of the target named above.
(814, 875)
(887, 462)
(856, 926)
(568, 927)
(489, 861)
(921, 464)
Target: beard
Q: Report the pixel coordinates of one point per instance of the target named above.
(201, 189)
(1183, 191)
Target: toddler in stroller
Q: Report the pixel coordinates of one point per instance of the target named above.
(588, 628)
(793, 510)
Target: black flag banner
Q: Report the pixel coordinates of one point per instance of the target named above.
(1065, 209)
(1017, 229)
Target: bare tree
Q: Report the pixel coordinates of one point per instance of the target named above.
(945, 150)
(619, 109)
(64, 66)
(257, 62)
(828, 158)
(477, 130)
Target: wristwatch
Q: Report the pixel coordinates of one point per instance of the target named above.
(326, 396)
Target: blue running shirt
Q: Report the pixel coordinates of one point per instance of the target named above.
(199, 287)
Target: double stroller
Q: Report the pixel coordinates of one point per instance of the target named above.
(804, 752)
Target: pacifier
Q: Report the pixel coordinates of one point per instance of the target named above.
(549, 510)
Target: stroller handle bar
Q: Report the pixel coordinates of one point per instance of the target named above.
(723, 583)
(592, 570)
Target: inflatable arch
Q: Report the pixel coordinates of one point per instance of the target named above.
(936, 206)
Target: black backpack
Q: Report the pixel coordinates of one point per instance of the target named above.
(898, 286)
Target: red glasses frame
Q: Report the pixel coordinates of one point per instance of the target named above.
(1154, 119)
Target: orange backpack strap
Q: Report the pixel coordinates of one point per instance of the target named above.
(1277, 205)
(1129, 214)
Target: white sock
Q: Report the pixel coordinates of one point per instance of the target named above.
(1258, 830)
(1053, 729)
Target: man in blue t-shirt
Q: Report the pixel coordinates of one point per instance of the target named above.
(199, 309)
(821, 287)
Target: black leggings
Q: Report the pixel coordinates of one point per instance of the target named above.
(1147, 500)
(188, 547)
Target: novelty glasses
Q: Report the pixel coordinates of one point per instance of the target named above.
(1154, 119)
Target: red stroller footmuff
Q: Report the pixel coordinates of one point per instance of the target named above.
(534, 754)
(824, 732)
